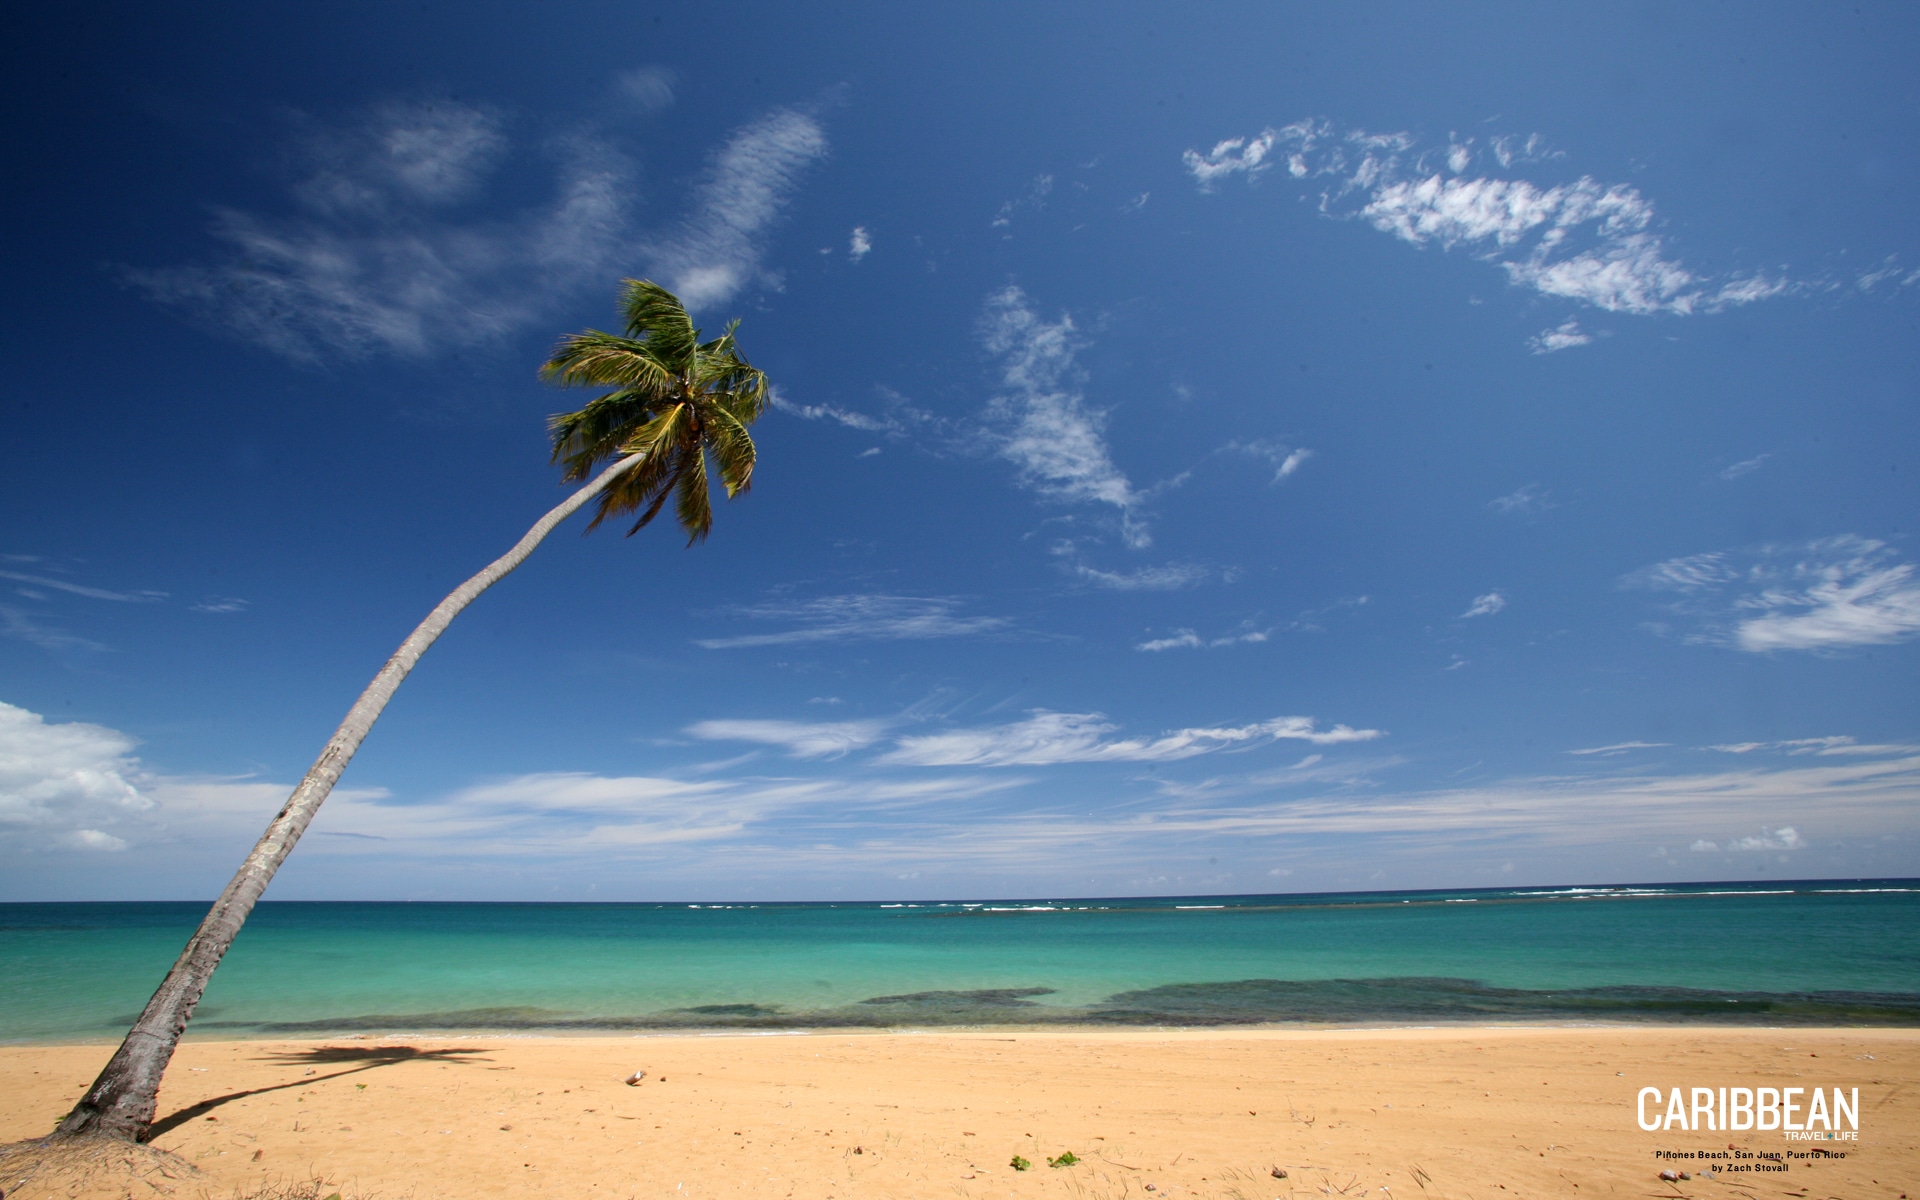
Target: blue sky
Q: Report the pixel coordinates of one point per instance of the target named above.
(1293, 448)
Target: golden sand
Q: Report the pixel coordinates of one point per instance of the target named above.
(1475, 1113)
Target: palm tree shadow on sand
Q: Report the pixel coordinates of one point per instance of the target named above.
(62, 1164)
(362, 1058)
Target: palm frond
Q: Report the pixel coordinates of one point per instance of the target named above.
(642, 487)
(656, 314)
(691, 505)
(653, 508)
(732, 449)
(596, 432)
(608, 360)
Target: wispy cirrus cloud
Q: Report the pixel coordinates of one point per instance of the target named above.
(1582, 241)
(648, 89)
(33, 628)
(1169, 577)
(394, 241)
(830, 412)
(859, 617)
(221, 604)
(802, 739)
(389, 249)
(716, 252)
(1040, 420)
(141, 596)
(1620, 748)
(23, 626)
(1525, 501)
(1744, 467)
(1047, 738)
(1832, 594)
(1838, 744)
(1187, 639)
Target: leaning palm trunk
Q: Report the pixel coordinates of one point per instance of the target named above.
(121, 1102)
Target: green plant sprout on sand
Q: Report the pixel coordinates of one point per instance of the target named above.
(1065, 1160)
(1020, 1164)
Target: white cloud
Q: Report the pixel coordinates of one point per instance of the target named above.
(1181, 639)
(65, 781)
(379, 259)
(1169, 578)
(1187, 639)
(1583, 241)
(1689, 575)
(868, 617)
(1565, 336)
(1485, 606)
(1620, 748)
(1231, 157)
(829, 412)
(1889, 271)
(860, 244)
(1784, 838)
(1815, 745)
(978, 822)
(1745, 467)
(1284, 459)
(1048, 738)
(1291, 463)
(1831, 594)
(1044, 425)
(221, 604)
(716, 252)
(1523, 502)
(802, 739)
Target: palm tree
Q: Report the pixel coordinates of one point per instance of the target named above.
(676, 401)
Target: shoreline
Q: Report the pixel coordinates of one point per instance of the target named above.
(1433, 1110)
(1063, 1029)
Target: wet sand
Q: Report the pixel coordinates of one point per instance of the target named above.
(1475, 1113)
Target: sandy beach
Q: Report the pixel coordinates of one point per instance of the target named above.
(1451, 1112)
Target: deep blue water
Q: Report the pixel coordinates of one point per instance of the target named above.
(1840, 952)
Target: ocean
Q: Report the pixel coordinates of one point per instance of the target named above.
(1810, 952)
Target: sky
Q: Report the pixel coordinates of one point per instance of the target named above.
(1247, 448)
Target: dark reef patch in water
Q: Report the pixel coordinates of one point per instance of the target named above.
(1005, 997)
(1235, 1002)
(731, 1010)
(1258, 1001)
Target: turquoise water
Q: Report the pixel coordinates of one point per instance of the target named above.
(1839, 952)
